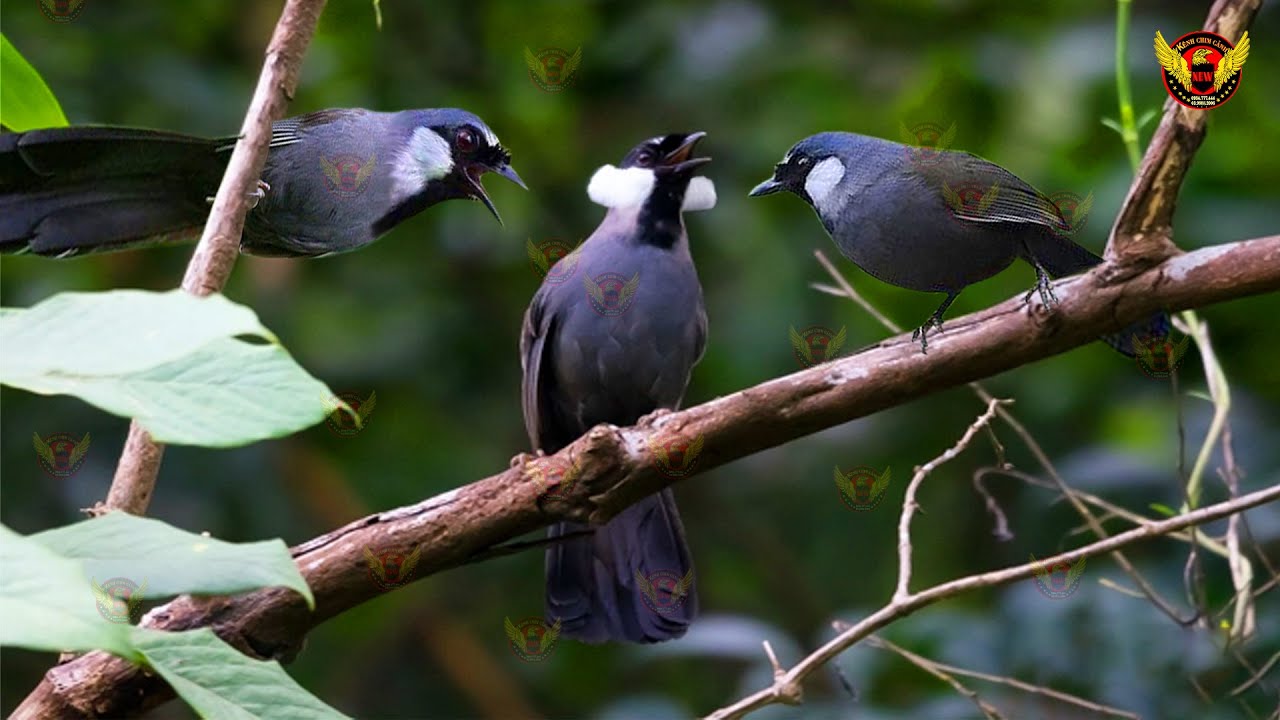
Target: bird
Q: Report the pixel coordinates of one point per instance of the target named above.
(935, 222)
(334, 181)
(611, 343)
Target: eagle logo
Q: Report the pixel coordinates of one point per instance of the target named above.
(118, 599)
(926, 141)
(816, 344)
(970, 202)
(531, 639)
(1074, 211)
(611, 293)
(860, 488)
(60, 455)
(1201, 69)
(391, 570)
(676, 456)
(62, 11)
(552, 69)
(664, 592)
(1059, 580)
(345, 423)
(555, 475)
(1157, 355)
(345, 175)
(552, 260)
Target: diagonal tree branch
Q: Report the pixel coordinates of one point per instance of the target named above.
(615, 466)
(215, 255)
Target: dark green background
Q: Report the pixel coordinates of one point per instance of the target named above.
(429, 316)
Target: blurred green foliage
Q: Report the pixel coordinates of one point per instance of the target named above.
(428, 317)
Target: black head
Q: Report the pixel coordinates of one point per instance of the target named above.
(452, 168)
(792, 172)
(667, 155)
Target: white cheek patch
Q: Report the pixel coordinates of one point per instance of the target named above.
(822, 179)
(427, 157)
(615, 188)
(701, 195)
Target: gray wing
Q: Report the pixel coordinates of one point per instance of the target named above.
(538, 327)
(1012, 199)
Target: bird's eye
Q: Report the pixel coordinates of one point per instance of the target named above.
(466, 140)
(802, 161)
(645, 159)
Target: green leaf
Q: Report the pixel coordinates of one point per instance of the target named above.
(1113, 124)
(1163, 509)
(172, 561)
(26, 102)
(48, 604)
(221, 683)
(169, 360)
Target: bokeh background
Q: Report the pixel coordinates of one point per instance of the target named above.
(428, 318)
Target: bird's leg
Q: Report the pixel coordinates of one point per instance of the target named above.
(1044, 285)
(934, 321)
(255, 195)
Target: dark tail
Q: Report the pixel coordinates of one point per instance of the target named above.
(1060, 256)
(74, 190)
(630, 581)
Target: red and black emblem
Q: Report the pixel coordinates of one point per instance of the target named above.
(61, 11)
(1201, 70)
(60, 455)
(816, 344)
(611, 293)
(664, 592)
(553, 260)
(676, 456)
(346, 175)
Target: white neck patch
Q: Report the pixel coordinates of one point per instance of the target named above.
(427, 157)
(613, 187)
(822, 179)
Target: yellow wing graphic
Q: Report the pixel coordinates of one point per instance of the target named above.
(42, 449)
(629, 289)
(512, 633)
(845, 484)
(646, 587)
(682, 587)
(836, 341)
(366, 170)
(330, 171)
(988, 198)
(880, 484)
(1179, 350)
(1230, 63)
(1173, 62)
(135, 599)
(593, 289)
(952, 197)
(100, 594)
(549, 637)
(1042, 572)
(366, 407)
(1074, 573)
(375, 564)
(79, 450)
(409, 563)
(571, 65)
(801, 346)
(535, 65)
(536, 256)
(695, 447)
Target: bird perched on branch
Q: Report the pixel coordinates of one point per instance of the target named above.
(334, 181)
(610, 341)
(936, 220)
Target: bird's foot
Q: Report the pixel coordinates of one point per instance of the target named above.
(254, 196)
(520, 459)
(1044, 286)
(652, 417)
(922, 333)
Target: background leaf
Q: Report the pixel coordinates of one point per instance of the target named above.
(26, 102)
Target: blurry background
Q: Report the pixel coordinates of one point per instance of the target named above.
(429, 317)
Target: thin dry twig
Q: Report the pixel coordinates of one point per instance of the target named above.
(937, 670)
(210, 266)
(909, 504)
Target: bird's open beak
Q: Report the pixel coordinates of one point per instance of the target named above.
(678, 160)
(768, 187)
(477, 190)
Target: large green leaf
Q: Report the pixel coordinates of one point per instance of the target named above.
(170, 360)
(25, 101)
(48, 603)
(221, 683)
(172, 561)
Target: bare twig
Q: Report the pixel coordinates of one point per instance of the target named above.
(937, 670)
(909, 504)
(215, 255)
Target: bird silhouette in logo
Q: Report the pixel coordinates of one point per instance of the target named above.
(59, 462)
(390, 570)
(533, 643)
(805, 344)
(675, 593)
(109, 602)
(858, 493)
(1229, 64)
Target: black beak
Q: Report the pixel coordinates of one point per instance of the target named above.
(768, 187)
(473, 175)
(678, 160)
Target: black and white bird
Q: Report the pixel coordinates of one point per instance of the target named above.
(334, 181)
(608, 341)
(935, 220)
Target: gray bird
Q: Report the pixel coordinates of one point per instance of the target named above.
(334, 181)
(610, 341)
(935, 220)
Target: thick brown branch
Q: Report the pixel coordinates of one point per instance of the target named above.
(215, 255)
(615, 466)
(1143, 230)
